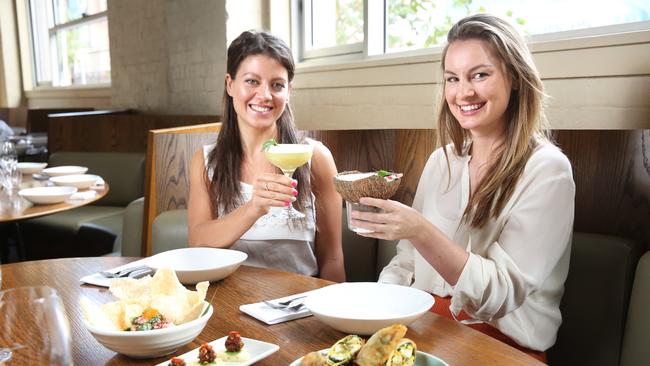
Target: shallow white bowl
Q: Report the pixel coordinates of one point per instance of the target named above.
(81, 181)
(365, 307)
(194, 265)
(65, 170)
(47, 195)
(30, 168)
(150, 343)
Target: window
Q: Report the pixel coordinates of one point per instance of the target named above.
(70, 42)
(332, 27)
(402, 25)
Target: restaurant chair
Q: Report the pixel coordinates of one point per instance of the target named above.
(93, 229)
(595, 301)
(637, 329)
(169, 154)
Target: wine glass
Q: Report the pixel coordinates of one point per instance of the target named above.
(34, 329)
(288, 157)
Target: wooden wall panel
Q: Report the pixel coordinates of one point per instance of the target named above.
(612, 174)
(403, 151)
(112, 132)
(611, 169)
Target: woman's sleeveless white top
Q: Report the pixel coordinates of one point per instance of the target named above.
(272, 242)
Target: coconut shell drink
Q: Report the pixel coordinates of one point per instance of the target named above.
(352, 185)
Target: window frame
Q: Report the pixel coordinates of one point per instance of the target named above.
(375, 37)
(52, 31)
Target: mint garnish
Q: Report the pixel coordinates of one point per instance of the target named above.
(383, 173)
(268, 143)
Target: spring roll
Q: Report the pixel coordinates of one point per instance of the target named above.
(404, 354)
(314, 359)
(344, 350)
(380, 345)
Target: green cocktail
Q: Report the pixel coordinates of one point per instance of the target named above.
(288, 157)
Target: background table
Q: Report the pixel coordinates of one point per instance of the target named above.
(26, 210)
(451, 341)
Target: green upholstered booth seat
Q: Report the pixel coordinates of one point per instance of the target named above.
(93, 229)
(595, 302)
(169, 231)
(636, 341)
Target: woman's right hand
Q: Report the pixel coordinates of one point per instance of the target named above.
(272, 190)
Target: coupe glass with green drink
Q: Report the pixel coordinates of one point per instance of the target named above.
(288, 157)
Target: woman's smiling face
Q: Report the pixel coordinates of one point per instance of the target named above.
(260, 91)
(477, 89)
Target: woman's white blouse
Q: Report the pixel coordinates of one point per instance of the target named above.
(273, 242)
(514, 277)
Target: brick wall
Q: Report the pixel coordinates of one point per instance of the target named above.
(168, 56)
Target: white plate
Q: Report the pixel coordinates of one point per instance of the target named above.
(193, 265)
(365, 307)
(81, 181)
(30, 168)
(47, 195)
(257, 350)
(65, 170)
(421, 359)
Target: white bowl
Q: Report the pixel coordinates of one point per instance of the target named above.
(193, 265)
(150, 343)
(47, 195)
(365, 307)
(65, 170)
(81, 181)
(31, 168)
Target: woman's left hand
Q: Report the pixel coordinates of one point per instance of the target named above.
(397, 221)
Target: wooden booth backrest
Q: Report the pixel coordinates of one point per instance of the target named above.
(169, 155)
(38, 118)
(610, 169)
(111, 131)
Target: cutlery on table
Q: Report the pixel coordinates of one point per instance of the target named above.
(286, 304)
(133, 272)
(290, 309)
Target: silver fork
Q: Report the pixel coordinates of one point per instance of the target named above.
(291, 308)
(286, 303)
(126, 272)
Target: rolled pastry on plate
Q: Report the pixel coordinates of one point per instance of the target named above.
(314, 359)
(379, 347)
(344, 350)
(404, 354)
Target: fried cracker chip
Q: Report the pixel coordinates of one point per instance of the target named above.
(162, 292)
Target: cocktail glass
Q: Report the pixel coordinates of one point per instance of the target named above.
(288, 157)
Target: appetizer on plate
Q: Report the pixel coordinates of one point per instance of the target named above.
(235, 351)
(387, 347)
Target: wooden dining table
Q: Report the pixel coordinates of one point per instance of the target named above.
(16, 208)
(448, 340)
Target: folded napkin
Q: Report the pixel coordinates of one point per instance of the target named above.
(99, 280)
(268, 315)
(83, 195)
(99, 183)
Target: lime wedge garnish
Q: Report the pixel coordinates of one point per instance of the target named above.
(268, 143)
(383, 173)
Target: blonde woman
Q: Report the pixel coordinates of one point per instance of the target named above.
(490, 228)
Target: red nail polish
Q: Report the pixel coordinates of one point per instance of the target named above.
(294, 183)
(295, 193)
(286, 204)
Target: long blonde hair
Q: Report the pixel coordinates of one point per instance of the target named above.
(525, 121)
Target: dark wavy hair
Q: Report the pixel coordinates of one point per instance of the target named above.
(226, 158)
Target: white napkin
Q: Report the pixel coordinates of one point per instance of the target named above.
(99, 183)
(83, 195)
(99, 280)
(268, 315)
